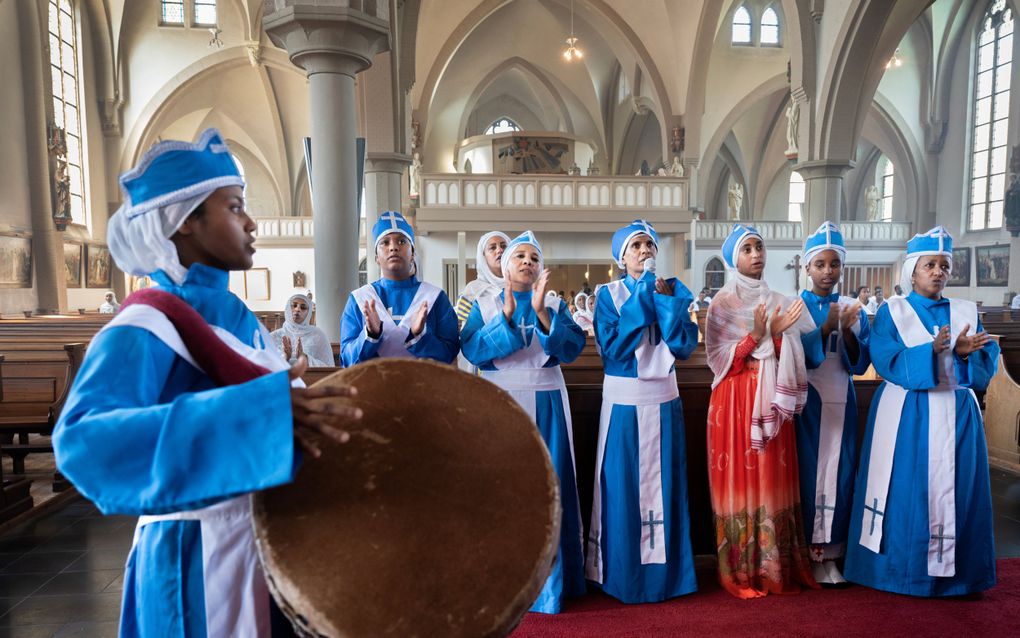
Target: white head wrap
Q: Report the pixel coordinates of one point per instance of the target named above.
(482, 266)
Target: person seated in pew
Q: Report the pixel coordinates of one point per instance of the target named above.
(397, 315)
(754, 350)
(109, 305)
(180, 409)
(639, 543)
(489, 281)
(921, 522)
(298, 337)
(835, 348)
(518, 339)
(582, 317)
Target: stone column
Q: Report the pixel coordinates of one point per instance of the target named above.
(462, 261)
(824, 183)
(1014, 267)
(384, 175)
(332, 44)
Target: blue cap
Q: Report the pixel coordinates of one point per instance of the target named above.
(622, 237)
(936, 241)
(391, 222)
(731, 246)
(827, 237)
(173, 171)
(527, 237)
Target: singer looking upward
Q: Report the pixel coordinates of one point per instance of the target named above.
(639, 546)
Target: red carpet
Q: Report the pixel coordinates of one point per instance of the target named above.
(855, 611)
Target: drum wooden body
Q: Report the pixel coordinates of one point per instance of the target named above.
(440, 517)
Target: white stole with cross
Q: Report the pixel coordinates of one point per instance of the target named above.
(654, 385)
(941, 439)
(830, 381)
(393, 340)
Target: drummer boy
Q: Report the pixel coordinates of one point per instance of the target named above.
(156, 426)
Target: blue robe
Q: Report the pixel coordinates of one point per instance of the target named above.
(439, 339)
(809, 424)
(489, 345)
(619, 333)
(144, 432)
(902, 567)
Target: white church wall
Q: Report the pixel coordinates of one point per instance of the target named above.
(15, 203)
(282, 263)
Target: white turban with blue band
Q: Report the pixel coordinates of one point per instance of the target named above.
(936, 241)
(527, 237)
(622, 237)
(827, 237)
(731, 247)
(172, 179)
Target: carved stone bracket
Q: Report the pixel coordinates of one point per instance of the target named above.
(110, 110)
(61, 182)
(254, 50)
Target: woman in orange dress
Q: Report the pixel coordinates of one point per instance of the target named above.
(760, 383)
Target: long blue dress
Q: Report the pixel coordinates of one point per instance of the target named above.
(439, 340)
(536, 383)
(639, 544)
(810, 426)
(906, 542)
(143, 432)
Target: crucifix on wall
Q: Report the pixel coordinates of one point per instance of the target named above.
(794, 265)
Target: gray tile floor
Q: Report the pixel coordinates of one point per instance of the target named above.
(61, 574)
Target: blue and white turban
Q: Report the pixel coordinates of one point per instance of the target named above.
(391, 222)
(731, 247)
(172, 179)
(527, 237)
(936, 241)
(622, 237)
(827, 237)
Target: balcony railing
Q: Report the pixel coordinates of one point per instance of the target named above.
(553, 191)
(289, 230)
(856, 232)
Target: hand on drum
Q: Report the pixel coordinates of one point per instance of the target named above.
(313, 418)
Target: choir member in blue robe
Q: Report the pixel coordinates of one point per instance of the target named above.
(921, 522)
(398, 315)
(146, 432)
(518, 339)
(639, 546)
(835, 348)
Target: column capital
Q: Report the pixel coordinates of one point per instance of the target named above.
(386, 162)
(330, 38)
(817, 169)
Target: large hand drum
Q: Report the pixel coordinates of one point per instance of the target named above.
(440, 517)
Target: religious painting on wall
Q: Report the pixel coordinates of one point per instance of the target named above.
(72, 265)
(992, 265)
(529, 155)
(961, 267)
(256, 284)
(97, 266)
(15, 261)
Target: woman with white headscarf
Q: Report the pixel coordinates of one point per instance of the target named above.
(109, 305)
(489, 281)
(298, 336)
(921, 522)
(582, 317)
(754, 350)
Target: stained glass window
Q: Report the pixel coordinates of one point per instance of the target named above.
(67, 112)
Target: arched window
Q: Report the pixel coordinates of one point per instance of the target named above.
(363, 272)
(622, 87)
(769, 28)
(715, 275)
(67, 113)
(741, 27)
(885, 188)
(204, 13)
(798, 195)
(990, 116)
(172, 12)
(502, 125)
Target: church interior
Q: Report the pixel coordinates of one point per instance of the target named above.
(569, 118)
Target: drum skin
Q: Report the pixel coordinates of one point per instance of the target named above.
(440, 517)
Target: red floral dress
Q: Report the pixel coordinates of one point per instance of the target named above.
(755, 494)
